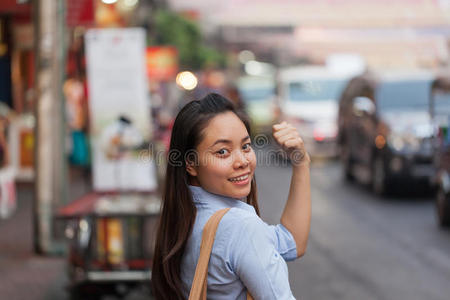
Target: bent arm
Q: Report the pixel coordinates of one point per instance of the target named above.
(296, 216)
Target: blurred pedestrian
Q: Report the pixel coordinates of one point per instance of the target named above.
(211, 166)
(234, 96)
(77, 120)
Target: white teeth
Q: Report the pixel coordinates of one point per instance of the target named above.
(239, 178)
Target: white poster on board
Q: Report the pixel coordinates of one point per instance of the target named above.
(119, 108)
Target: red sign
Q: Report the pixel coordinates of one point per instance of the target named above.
(80, 12)
(13, 7)
(162, 63)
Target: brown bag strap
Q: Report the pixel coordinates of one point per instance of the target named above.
(199, 284)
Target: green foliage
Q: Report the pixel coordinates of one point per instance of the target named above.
(176, 30)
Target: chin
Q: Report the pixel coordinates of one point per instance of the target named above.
(240, 193)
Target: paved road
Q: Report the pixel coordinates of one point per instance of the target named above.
(361, 246)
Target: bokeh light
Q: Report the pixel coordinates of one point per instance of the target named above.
(187, 80)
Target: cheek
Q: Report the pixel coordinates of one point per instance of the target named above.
(215, 168)
(251, 157)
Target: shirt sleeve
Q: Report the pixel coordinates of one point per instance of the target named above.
(258, 263)
(284, 242)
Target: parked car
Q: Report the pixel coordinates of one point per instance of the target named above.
(440, 120)
(308, 97)
(259, 97)
(384, 133)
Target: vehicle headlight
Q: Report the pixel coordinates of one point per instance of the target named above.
(404, 142)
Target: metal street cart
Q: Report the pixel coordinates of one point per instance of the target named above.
(111, 233)
(111, 237)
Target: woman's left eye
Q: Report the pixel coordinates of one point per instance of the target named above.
(247, 146)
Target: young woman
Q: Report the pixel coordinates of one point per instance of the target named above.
(211, 166)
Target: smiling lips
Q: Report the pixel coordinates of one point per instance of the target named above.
(240, 180)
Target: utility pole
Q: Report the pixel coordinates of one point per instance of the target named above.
(50, 170)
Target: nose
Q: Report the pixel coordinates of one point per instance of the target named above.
(240, 160)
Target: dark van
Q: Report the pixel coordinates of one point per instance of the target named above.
(384, 130)
(440, 119)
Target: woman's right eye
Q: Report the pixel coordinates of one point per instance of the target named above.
(222, 152)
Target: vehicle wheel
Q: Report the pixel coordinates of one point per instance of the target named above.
(90, 291)
(380, 184)
(443, 207)
(347, 164)
(78, 294)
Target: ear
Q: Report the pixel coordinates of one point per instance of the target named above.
(191, 169)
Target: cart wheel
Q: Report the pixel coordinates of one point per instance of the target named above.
(443, 207)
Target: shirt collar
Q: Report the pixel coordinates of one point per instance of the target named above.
(202, 197)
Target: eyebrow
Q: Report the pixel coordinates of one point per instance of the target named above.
(228, 141)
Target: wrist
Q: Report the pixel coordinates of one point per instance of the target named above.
(300, 160)
(301, 166)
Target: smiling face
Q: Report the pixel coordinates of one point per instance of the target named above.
(226, 162)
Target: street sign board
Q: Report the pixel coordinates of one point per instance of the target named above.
(119, 108)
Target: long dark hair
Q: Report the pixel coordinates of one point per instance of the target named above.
(178, 209)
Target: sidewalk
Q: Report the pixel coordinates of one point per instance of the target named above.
(23, 274)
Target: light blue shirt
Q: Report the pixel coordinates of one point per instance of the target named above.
(247, 253)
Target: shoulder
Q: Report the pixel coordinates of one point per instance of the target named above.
(239, 218)
(239, 224)
(241, 232)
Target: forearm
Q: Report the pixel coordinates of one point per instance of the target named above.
(296, 216)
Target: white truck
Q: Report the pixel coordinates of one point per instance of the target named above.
(308, 99)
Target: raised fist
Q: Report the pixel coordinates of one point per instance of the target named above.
(290, 141)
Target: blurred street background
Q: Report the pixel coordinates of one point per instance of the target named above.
(89, 90)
